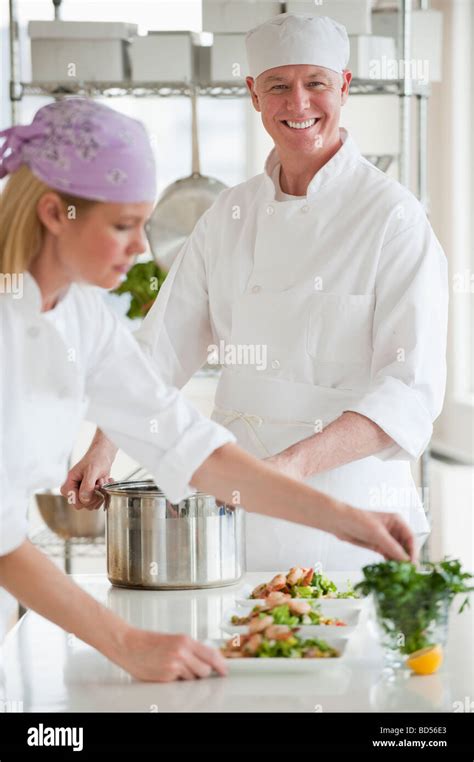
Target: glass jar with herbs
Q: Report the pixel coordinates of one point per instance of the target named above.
(412, 609)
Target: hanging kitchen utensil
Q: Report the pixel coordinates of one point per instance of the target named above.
(57, 9)
(181, 204)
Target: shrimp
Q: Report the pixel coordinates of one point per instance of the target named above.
(229, 654)
(277, 583)
(277, 599)
(294, 575)
(252, 645)
(278, 632)
(297, 606)
(258, 625)
(260, 591)
(259, 608)
(308, 576)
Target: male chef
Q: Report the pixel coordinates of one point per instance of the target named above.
(322, 288)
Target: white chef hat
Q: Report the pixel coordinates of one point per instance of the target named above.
(292, 38)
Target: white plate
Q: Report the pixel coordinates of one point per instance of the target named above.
(307, 630)
(250, 664)
(341, 604)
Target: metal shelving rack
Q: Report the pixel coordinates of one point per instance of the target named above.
(76, 547)
(161, 89)
(406, 89)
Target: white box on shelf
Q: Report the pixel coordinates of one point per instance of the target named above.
(228, 58)
(369, 56)
(354, 14)
(69, 51)
(233, 16)
(163, 57)
(426, 55)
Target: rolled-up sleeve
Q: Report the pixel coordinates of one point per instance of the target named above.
(147, 418)
(408, 369)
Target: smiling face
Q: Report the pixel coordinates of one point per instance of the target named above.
(98, 247)
(300, 106)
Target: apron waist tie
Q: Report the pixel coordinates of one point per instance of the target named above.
(253, 422)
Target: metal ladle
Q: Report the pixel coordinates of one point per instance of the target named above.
(181, 204)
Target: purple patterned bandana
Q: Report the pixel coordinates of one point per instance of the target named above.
(86, 149)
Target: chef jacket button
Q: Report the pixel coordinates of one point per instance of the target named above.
(33, 331)
(275, 364)
(256, 289)
(270, 209)
(305, 208)
(64, 392)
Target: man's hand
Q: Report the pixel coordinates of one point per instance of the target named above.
(92, 471)
(385, 533)
(348, 438)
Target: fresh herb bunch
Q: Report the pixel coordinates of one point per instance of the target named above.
(143, 282)
(409, 600)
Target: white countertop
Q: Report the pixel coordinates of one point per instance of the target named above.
(48, 670)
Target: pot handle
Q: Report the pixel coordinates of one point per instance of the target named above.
(100, 493)
(225, 506)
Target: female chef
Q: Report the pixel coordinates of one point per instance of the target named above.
(81, 187)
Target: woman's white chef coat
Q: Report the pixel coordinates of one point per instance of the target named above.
(78, 361)
(346, 291)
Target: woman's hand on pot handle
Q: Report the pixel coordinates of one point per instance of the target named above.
(92, 471)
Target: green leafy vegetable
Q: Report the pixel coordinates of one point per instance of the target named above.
(409, 600)
(321, 586)
(143, 282)
(303, 592)
(282, 615)
(293, 648)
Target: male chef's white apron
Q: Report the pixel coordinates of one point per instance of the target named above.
(268, 414)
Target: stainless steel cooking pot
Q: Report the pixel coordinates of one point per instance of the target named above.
(154, 544)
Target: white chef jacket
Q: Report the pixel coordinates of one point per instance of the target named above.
(346, 287)
(77, 361)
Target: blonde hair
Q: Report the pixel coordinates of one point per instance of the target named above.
(21, 230)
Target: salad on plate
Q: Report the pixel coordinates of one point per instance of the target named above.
(300, 582)
(293, 613)
(277, 641)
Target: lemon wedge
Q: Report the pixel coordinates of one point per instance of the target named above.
(426, 661)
